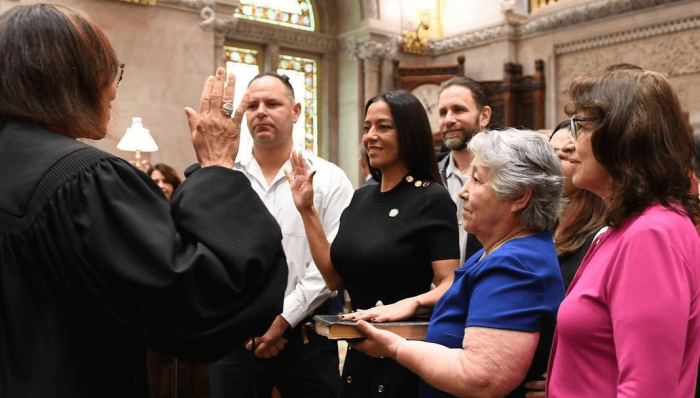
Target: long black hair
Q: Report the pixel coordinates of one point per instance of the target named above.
(415, 136)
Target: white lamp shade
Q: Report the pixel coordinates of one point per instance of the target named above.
(137, 138)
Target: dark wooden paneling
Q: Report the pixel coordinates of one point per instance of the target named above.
(192, 377)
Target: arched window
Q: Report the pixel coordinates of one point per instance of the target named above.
(243, 61)
(297, 14)
(303, 69)
(302, 72)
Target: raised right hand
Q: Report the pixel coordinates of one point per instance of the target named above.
(216, 136)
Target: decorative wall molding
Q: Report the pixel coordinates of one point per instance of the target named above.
(469, 39)
(218, 16)
(194, 4)
(519, 26)
(372, 50)
(628, 35)
(207, 12)
(213, 20)
(285, 37)
(581, 13)
(675, 55)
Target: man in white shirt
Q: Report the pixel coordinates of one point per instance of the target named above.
(280, 357)
(463, 113)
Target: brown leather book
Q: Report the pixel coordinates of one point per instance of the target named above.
(333, 328)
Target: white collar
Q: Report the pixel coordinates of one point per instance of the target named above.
(245, 158)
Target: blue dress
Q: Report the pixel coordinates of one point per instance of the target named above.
(517, 287)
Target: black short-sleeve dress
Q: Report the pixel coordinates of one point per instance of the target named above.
(384, 250)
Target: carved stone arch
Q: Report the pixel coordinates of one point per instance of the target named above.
(324, 13)
(329, 17)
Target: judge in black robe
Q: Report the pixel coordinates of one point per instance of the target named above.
(96, 266)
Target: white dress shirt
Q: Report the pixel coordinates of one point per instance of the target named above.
(306, 289)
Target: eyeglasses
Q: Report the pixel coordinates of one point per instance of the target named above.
(563, 125)
(573, 124)
(121, 73)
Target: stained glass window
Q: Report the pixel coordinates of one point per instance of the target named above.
(303, 76)
(142, 2)
(245, 64)
(297, 14)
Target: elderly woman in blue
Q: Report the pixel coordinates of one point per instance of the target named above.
(493, 328)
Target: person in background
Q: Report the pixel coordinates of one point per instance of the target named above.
(463, 112)
(166, 177)
(280, 357)
(363, 159)
(494, 326)
(630, 323)
(410, 241)
(95, 267)
(581, 219)
(583, 213)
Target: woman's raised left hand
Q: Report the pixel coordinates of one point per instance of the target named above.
(301, 183)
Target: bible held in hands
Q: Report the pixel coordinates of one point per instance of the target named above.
(335, 329)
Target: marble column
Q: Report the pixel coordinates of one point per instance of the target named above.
(371, 54)
(219, 41)
(272, 52)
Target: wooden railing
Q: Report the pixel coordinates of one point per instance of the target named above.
(536, 4)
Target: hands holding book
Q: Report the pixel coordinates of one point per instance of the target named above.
(397, 311)
(379, 343)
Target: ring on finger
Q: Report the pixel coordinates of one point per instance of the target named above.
(227, 109)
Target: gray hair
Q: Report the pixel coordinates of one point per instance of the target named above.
(521, 159)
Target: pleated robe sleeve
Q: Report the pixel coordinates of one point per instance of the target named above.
(96, 266)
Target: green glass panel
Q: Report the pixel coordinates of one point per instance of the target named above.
(302, 73)
(297, 14)
(244, 63)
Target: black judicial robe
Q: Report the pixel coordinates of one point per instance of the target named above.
(96, 266)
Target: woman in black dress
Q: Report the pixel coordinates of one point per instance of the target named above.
(394, 239)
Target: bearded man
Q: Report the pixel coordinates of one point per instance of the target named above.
(463, 113)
